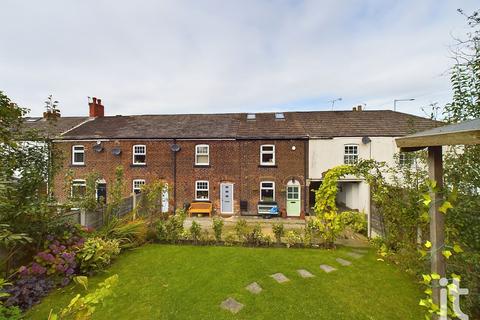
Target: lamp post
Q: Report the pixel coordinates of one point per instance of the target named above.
(333, 102)
(400, 100)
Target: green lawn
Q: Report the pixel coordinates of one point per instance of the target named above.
(188, 282)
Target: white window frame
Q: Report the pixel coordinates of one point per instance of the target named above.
(142, 183)
(78, 151)
(402, 159)
(202, 154)
(139, 154)
(208, 190)
(262, 152)
(269, 188)
(78, 182)
(345, 155)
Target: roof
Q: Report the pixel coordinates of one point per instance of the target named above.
(52, 128)
(464, 133)
(295, 125)
(384, 123)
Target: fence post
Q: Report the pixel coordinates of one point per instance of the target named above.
(134, 205)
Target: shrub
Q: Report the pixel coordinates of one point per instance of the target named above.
(266, 240)
(217, 227)
(241, 230)
(174, 227)
(230, 239)
(129, 234)
(311, 232)
(195, 231)
(355, 220)
(255, 237)
(278, 231)
(28, 290)
(292, 238)
(97, 254)
(7, 312)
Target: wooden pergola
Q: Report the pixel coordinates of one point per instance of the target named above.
(465, 133)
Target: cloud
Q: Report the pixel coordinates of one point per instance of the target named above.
(227, 56)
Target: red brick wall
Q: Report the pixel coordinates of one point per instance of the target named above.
(235, 161)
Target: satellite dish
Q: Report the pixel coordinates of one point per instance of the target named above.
(116, 151)
(97, 147)
(366, 140)
(175, 147)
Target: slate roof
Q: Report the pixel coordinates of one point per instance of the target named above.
(52, 128)
(296, 125)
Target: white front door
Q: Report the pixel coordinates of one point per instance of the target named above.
(226, 197)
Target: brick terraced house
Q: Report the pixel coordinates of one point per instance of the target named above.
(242, 163)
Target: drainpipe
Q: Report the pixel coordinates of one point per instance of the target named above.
(174, 178)
(306, 194)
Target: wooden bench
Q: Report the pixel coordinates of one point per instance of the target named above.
(200, 207)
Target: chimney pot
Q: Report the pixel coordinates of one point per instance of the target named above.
(354, 109)
(359, 108)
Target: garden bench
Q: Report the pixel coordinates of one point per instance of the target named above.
(200, 207)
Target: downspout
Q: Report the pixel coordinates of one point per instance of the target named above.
(306, 197)
(174, 178)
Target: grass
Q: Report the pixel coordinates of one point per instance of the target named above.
(188, 282)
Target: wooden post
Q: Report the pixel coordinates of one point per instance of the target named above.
(134, 205)
(437, 221)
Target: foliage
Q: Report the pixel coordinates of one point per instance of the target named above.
(171, 229)
(195, 231)
(7, 312)
(241, 229)
(230, 239)
(356, 220)
(128, 233)
(325, 208)
(278, 230)
(11, 242)
(217, 226)
(116, 195)
(96, 254)
(292, 237)
(151, 203)
(255, 236)
(28, 290)
(82, 308)
(311, 232)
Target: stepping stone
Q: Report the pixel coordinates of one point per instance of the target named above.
(254, 288)
(232, 305)
(361, 251)
(327, 268)
(305, 274)
(280, 277)
(343, 262)
(354, 255)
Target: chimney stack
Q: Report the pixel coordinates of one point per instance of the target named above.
(359, 107)
(96, 108)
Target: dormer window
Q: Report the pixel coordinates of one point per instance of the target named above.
(139, 154)
(202, 155)
(78, 155)
(279, 116)
(267, 155)
(251, 116)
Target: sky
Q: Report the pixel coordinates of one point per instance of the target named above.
(217, 56)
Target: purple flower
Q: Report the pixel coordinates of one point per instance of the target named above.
(37, 269)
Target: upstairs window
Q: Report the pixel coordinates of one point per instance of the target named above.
(267, 155)
(267, 191)
(137, 185)
(78, 155)
(79, 187)
(201, 190)
(139, 154)
(202, 155)
(351, 154)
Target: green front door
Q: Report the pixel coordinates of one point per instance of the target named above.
(293, 200)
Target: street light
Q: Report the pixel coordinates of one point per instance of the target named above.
(333, 101)
(399, 100)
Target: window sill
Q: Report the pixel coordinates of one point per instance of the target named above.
(201, 166)
(78, 165)
(267, 166)
(133, 165)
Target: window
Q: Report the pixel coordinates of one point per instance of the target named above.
(267, 155)
(79, 187)
(267, 191)
(139, 154)
(137, 185)
(251, 116)
(403, 159)
(201, 190)
(351, 154)
(202, 155)
(78, 155)
(279, 116)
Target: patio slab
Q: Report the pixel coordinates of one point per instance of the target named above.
(279, 277)
(327, 268)
(232, 305)
(254, 288)
(305, 273)
(355, 255)
(343, 262)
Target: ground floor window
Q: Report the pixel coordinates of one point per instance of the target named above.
(267, 191)
(201, 190)
(79, 187)
(137, 185)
